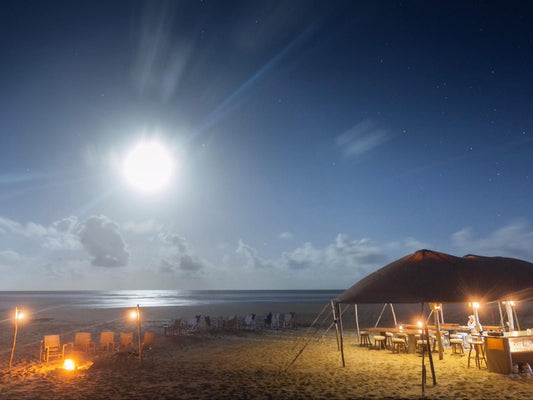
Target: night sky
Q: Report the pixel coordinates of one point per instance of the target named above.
(311, 142)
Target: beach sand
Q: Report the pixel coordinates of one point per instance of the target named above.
(234, 364)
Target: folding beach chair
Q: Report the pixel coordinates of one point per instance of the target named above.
(107, 342)
(288, 320)
(232, 322)
(125, 346)
(83, 342)
(193, 324)
(249, 322)
(275, 320)
(51, 347)
(148, 340)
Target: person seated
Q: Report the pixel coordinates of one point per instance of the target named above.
(473, 325)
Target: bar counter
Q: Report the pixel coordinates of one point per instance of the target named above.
(514, 348)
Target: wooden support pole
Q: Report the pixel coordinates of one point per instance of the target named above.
(380, 314)
(501, 314)
(510, 316)
(423, 352)
(335, 318)
(393, 314)
(516, 317)
(139, 333)
(357, 321)
(14, 336)
(436, 307)
(429, 350)
(339, 322)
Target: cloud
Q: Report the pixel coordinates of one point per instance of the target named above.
(303, 257)
(63, 235)
(360, 255)
(513, 240)
(101, 238)
(285, 235)
(177, 256)
(29, 230)
(343, 254)
(251, 256)
(60, 235)
(360, 139)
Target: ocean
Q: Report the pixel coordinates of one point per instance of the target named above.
(41, 300)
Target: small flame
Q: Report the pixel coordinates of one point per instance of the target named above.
(69, 365)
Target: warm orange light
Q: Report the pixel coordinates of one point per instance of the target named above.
(401, 327)
(69, 365)
(475, 304)
(511, 303)
(20, 315)
(420, 324)
(133, 314)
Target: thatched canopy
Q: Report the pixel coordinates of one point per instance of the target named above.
(430, 276)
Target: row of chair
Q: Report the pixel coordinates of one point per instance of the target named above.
(395, 342)
(51, 344)
(248, 322)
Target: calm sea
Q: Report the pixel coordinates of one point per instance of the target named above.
(157, 298)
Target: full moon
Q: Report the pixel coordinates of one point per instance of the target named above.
(148, 167)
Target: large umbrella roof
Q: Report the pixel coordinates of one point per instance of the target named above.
(430, 276)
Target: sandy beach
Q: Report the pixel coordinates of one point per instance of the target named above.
(233, 364)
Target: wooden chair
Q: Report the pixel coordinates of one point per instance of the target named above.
(83, 343)
(148, 340)
(107, 342)
(125, 346)
(478, 346)
(364, 339)
(399, 343)
(457, 342)
(125, 343)
(422, 343)
(388, 340)
(51, 347)
(379, 342)
(176, 328)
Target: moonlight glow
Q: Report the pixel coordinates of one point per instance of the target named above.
(148, 167)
